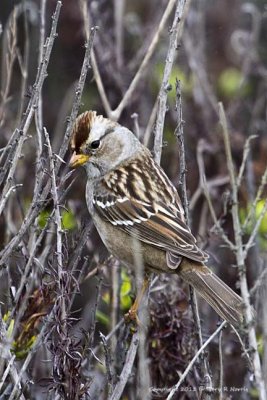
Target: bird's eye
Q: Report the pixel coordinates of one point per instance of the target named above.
(95, 144)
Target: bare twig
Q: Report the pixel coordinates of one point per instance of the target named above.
(211, 183)
(245, 351)
(41, 195)
(110, 376)
(115, 114)
(134, 116)
(205, 187)
(254, 232)
(97, 76)
(143, 370)
(7, 371)
(115, 305)
(119, 33)
(127, 369)
(39, 110)
(175, 35)
(6, 355)
(192, 362)
(29, 357)
(251, 210)
(78, 92)
(182, 184)
(244, 160)
(140, 73)
(110, 335)
(261, 281)
(150, 124)
(8, 59)
(203, 92)
(179, 133)
(221, 367)
(240, 258)
(24, 63)
(32, 104)
(59, 232)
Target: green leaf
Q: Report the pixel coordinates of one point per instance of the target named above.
(260, 344)
(230, 83)
(187, 81)
(11, 325)
(68, 220)
(254, 393)
(243, 212)
(106, 297)
(126, 289)
(101, 317)
(21, 351)
(43, 217)
(263, 224)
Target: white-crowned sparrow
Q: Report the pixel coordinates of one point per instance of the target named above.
(129, 196)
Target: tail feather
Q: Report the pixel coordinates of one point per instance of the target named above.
(221, 297)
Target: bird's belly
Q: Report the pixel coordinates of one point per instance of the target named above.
(129, 250)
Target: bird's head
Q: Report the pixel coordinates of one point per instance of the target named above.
(100, 144)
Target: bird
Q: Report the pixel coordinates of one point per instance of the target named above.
(131, 199)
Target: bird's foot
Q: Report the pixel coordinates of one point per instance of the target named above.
(132, 316)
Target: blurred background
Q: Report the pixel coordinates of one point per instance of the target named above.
(221, 57)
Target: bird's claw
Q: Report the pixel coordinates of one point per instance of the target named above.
(131, 316)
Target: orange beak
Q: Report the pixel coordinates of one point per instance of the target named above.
(77, 160)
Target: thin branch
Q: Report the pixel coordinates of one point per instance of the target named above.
(119, 6)
(245, 351)
(78, 92)
(43, 193)
(192, 362)
(255, 230)
(41, 75)
(240, 258)
(143, 370)
(24, 63)
(115, 114)
(30, 355)
(39, 109)
(211, 183)
(140, 73)
(151, 122)
(244, 159)
(59, 232)
(7, 356)
(97, 76)
(261, 281)
(100, 87)
(175, 36)
(221, 367)
(110, 335)
(108, 363)
(205, 188)
(127, 369)
(251, 211)
(179, 133)
(8, 58)
(203, 91)
(7, 370)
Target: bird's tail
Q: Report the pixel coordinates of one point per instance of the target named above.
(220, 296)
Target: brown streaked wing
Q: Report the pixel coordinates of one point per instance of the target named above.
(156, 224)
